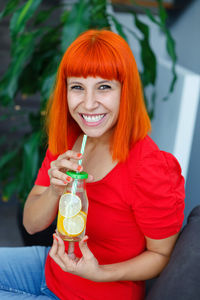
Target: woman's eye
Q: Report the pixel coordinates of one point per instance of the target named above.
(104, 87)
(76, 87)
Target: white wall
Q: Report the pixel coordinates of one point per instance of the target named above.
(175, 119)
(187, 36)
(185, 30)
(186, 33)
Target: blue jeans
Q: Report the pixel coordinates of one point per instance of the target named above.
(22, 273)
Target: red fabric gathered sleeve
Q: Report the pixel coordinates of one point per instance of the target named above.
(43, 177)
(159, 195)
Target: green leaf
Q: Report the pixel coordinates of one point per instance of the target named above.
(170, 43)
(9, 9)
(133, 33)
(144, 29)
(28, 75)
(98, 14)
(21, 53)
(50, 40)
(149, 64)
(151, 17)
(30, 160)
(7, 157)
(77, 22)
(162, 12)
(148, 57)
(21, 16)
(47, 86)
(34, 120)
(119, 27)
(43, 15)
(153, 103)
(43, 63)
(65, 16)
(10, 188)
(171, 46)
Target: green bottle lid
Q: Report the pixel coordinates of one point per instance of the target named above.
(75, 175)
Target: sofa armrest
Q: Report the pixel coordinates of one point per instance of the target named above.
(180, 280)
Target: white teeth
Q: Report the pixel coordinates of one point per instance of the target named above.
(92, 118)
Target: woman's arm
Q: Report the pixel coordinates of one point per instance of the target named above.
(40, 209)
(145, 266)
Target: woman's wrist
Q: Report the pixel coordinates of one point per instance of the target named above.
(54, 193)
(110, 272)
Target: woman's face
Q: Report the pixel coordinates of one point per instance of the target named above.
(94, 103)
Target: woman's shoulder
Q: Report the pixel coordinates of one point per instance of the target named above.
(143, 148)
(147, 162)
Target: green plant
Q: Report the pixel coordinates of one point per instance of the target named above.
(37, 46)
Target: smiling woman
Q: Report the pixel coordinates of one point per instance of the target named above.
(135, 191)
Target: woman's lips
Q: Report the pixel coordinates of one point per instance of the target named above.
(92, 119)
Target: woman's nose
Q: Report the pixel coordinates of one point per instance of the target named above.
(90, 101)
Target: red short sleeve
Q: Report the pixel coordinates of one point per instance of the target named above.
(159, 195)
(43, 177)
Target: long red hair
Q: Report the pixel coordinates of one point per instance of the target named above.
(105, 54)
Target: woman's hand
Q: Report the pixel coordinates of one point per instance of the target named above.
(57, 173)
(87, 266)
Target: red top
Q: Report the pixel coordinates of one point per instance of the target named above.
(143, 196)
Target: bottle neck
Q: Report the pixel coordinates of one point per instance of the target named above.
(77, 185)
(80, 183)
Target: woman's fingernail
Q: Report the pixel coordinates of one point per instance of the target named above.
(79, 154)
(79, 168)
(54, 237)
(86, 240)
(68, 178)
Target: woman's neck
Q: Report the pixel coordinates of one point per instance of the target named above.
(102, 140)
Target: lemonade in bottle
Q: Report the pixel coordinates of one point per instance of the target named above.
(73, 208)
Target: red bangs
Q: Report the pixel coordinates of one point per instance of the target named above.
(93, 59)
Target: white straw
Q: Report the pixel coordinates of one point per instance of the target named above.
(83, 147)
(74, 185)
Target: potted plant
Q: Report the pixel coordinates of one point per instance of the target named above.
(37, 45)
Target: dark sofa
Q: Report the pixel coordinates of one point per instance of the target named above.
(180, 280)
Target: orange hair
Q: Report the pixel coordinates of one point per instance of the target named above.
(105, 54)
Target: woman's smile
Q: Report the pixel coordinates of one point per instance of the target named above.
(93, 119)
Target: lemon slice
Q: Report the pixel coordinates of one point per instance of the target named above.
(83, 214)
(74, 226)
(60, 227)
(70, 205)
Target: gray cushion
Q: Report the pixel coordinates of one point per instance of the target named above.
(180, 280)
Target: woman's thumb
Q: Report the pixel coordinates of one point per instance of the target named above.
(87, 254)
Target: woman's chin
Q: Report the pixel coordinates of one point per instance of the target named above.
(92, 135)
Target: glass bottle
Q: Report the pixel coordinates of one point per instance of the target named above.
(73, 208)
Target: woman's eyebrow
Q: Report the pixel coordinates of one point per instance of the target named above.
(74, 82)
(104, 81)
